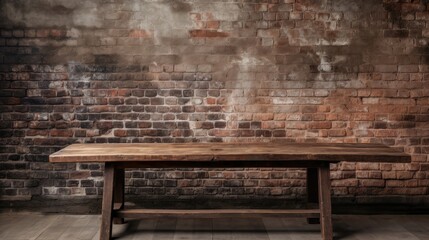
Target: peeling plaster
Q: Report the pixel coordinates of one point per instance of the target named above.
(245, 86)
(170, 20)
(50, 13)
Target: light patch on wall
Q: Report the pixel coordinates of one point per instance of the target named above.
(244, 78)
(88, 17)
(247, 60)
(76, 73)
(243, 100)
(165, 20)
(220, 11)
(61, 13)
(324, 65)
(327, 63)
(336, 42)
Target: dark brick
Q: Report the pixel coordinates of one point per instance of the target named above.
(244, 125)
(151, 93)
(220, 124)
(380, 125)
(59, 183)
(17, 175)
(188, 109)
(207, 125)
(233, 183)
(87, 183)
(72, 183)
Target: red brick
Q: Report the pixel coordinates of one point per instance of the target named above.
(371, 183)
(139, 33)
(345, 183)
(273, 125)
(263, 116)
(212, 24)
(389, 175)
(367, 166)
(270, 33)
(57, 33)
(42, 33)
(320, 125)
(61, 133)
(337, 133)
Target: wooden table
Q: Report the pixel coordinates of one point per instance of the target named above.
(314, 157)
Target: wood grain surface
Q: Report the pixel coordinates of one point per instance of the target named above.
(335, 152)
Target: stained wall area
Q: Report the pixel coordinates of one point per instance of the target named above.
(108, 71)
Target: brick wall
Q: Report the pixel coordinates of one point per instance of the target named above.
(211, 71)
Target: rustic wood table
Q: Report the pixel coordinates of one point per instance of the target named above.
(314, 157)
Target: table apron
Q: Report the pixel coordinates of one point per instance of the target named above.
(223, 164)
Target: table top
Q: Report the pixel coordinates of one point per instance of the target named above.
(328, 152)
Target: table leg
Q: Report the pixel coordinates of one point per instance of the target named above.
(325, 202)
(312, 191)
(107, 207)
(118, 193)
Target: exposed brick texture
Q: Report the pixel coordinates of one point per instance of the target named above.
(211, 71)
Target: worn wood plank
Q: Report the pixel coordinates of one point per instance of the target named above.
(239, 229)
(416, 225)
(377, 227)
(128, 231)
(216, 213)
(291, 229)
(97, 235)
(85, 227)
(193, 229)
(44, 225)
(342, 230)
(228, 152)
(58, 227)
(276, 229)
(145, 230)
(7, 222)
(393, 226)
(34, 226)
(133, 230)
(165, 229)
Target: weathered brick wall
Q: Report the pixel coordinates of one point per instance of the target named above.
(211, 71)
